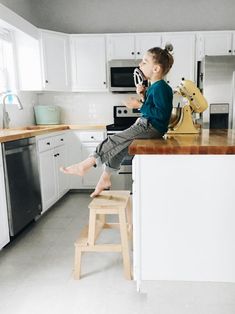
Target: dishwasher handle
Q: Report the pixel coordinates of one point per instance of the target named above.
(19, 149)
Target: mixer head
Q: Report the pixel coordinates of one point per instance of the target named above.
(139, 77)
(189, 90)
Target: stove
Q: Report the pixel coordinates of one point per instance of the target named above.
(123, 118)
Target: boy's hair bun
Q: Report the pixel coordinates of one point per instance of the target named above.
(168, 47)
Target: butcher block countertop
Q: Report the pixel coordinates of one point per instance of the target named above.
(210, 142)
(13, 134)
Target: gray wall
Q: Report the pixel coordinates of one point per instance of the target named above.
(104, 16)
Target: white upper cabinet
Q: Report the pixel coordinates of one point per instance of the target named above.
(28, 61)
(214, 44)
(55, 61)
(184, 57)
(145, 42)
(121, 46)
(131, 46)
(88, 56)
(233, 44)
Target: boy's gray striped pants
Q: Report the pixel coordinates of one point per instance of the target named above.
(115, 147)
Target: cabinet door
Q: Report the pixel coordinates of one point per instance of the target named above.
(214, 44)
(184, 57)
(121, 46)
(61, 160)
(74, 156)
(145, 42)
(233, 47)
(91, 178)
(55, 53)
(4, 229)
(88, 63)
(28, 62)
(48, 178)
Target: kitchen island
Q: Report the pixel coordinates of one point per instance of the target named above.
(184, 208)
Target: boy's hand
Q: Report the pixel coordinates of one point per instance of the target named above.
(140, 89)
(132, 103)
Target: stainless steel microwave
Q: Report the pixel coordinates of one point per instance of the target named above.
(121, 78)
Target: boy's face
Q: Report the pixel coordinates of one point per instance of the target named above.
(148, 67)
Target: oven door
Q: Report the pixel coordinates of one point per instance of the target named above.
(123, 179)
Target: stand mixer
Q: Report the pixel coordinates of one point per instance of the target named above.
(182, 121)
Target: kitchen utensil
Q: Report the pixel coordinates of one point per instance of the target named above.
(47, 114)
(139, 77)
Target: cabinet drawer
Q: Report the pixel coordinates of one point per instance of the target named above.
(45, 144)
(60, 140)
(91, 136)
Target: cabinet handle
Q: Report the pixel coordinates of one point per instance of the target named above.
(62, 139)
(104, 83)
(48, 143)
(46, 81)
(55, 155)
(92, 137)
(230, 51)
(168, 82)
(138, 53)
(132, 53)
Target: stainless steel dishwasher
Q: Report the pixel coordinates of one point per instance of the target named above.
(22, 183)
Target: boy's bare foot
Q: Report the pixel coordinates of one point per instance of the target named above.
(104, 183)
(79, 169)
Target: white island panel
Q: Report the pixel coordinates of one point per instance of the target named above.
(184, 217)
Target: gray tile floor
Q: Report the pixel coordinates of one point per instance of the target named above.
(36, 275)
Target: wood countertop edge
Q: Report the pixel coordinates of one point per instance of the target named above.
(193, 150)
(207, 142)
(13, 134)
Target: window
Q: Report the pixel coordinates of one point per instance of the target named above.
(7, 71)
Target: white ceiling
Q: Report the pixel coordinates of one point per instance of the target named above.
(103, 16)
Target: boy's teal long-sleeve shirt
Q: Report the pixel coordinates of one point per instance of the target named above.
(157, 106)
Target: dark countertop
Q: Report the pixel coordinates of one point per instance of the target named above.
(213, 142)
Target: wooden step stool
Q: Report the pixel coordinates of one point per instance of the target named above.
(108, 202)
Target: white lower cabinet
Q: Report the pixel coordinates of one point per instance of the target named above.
(52, 154)
(82, 144)
(4, 228)
(91, 178)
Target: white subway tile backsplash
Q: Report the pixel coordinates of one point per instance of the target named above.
(83, 107)
(76, 108)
